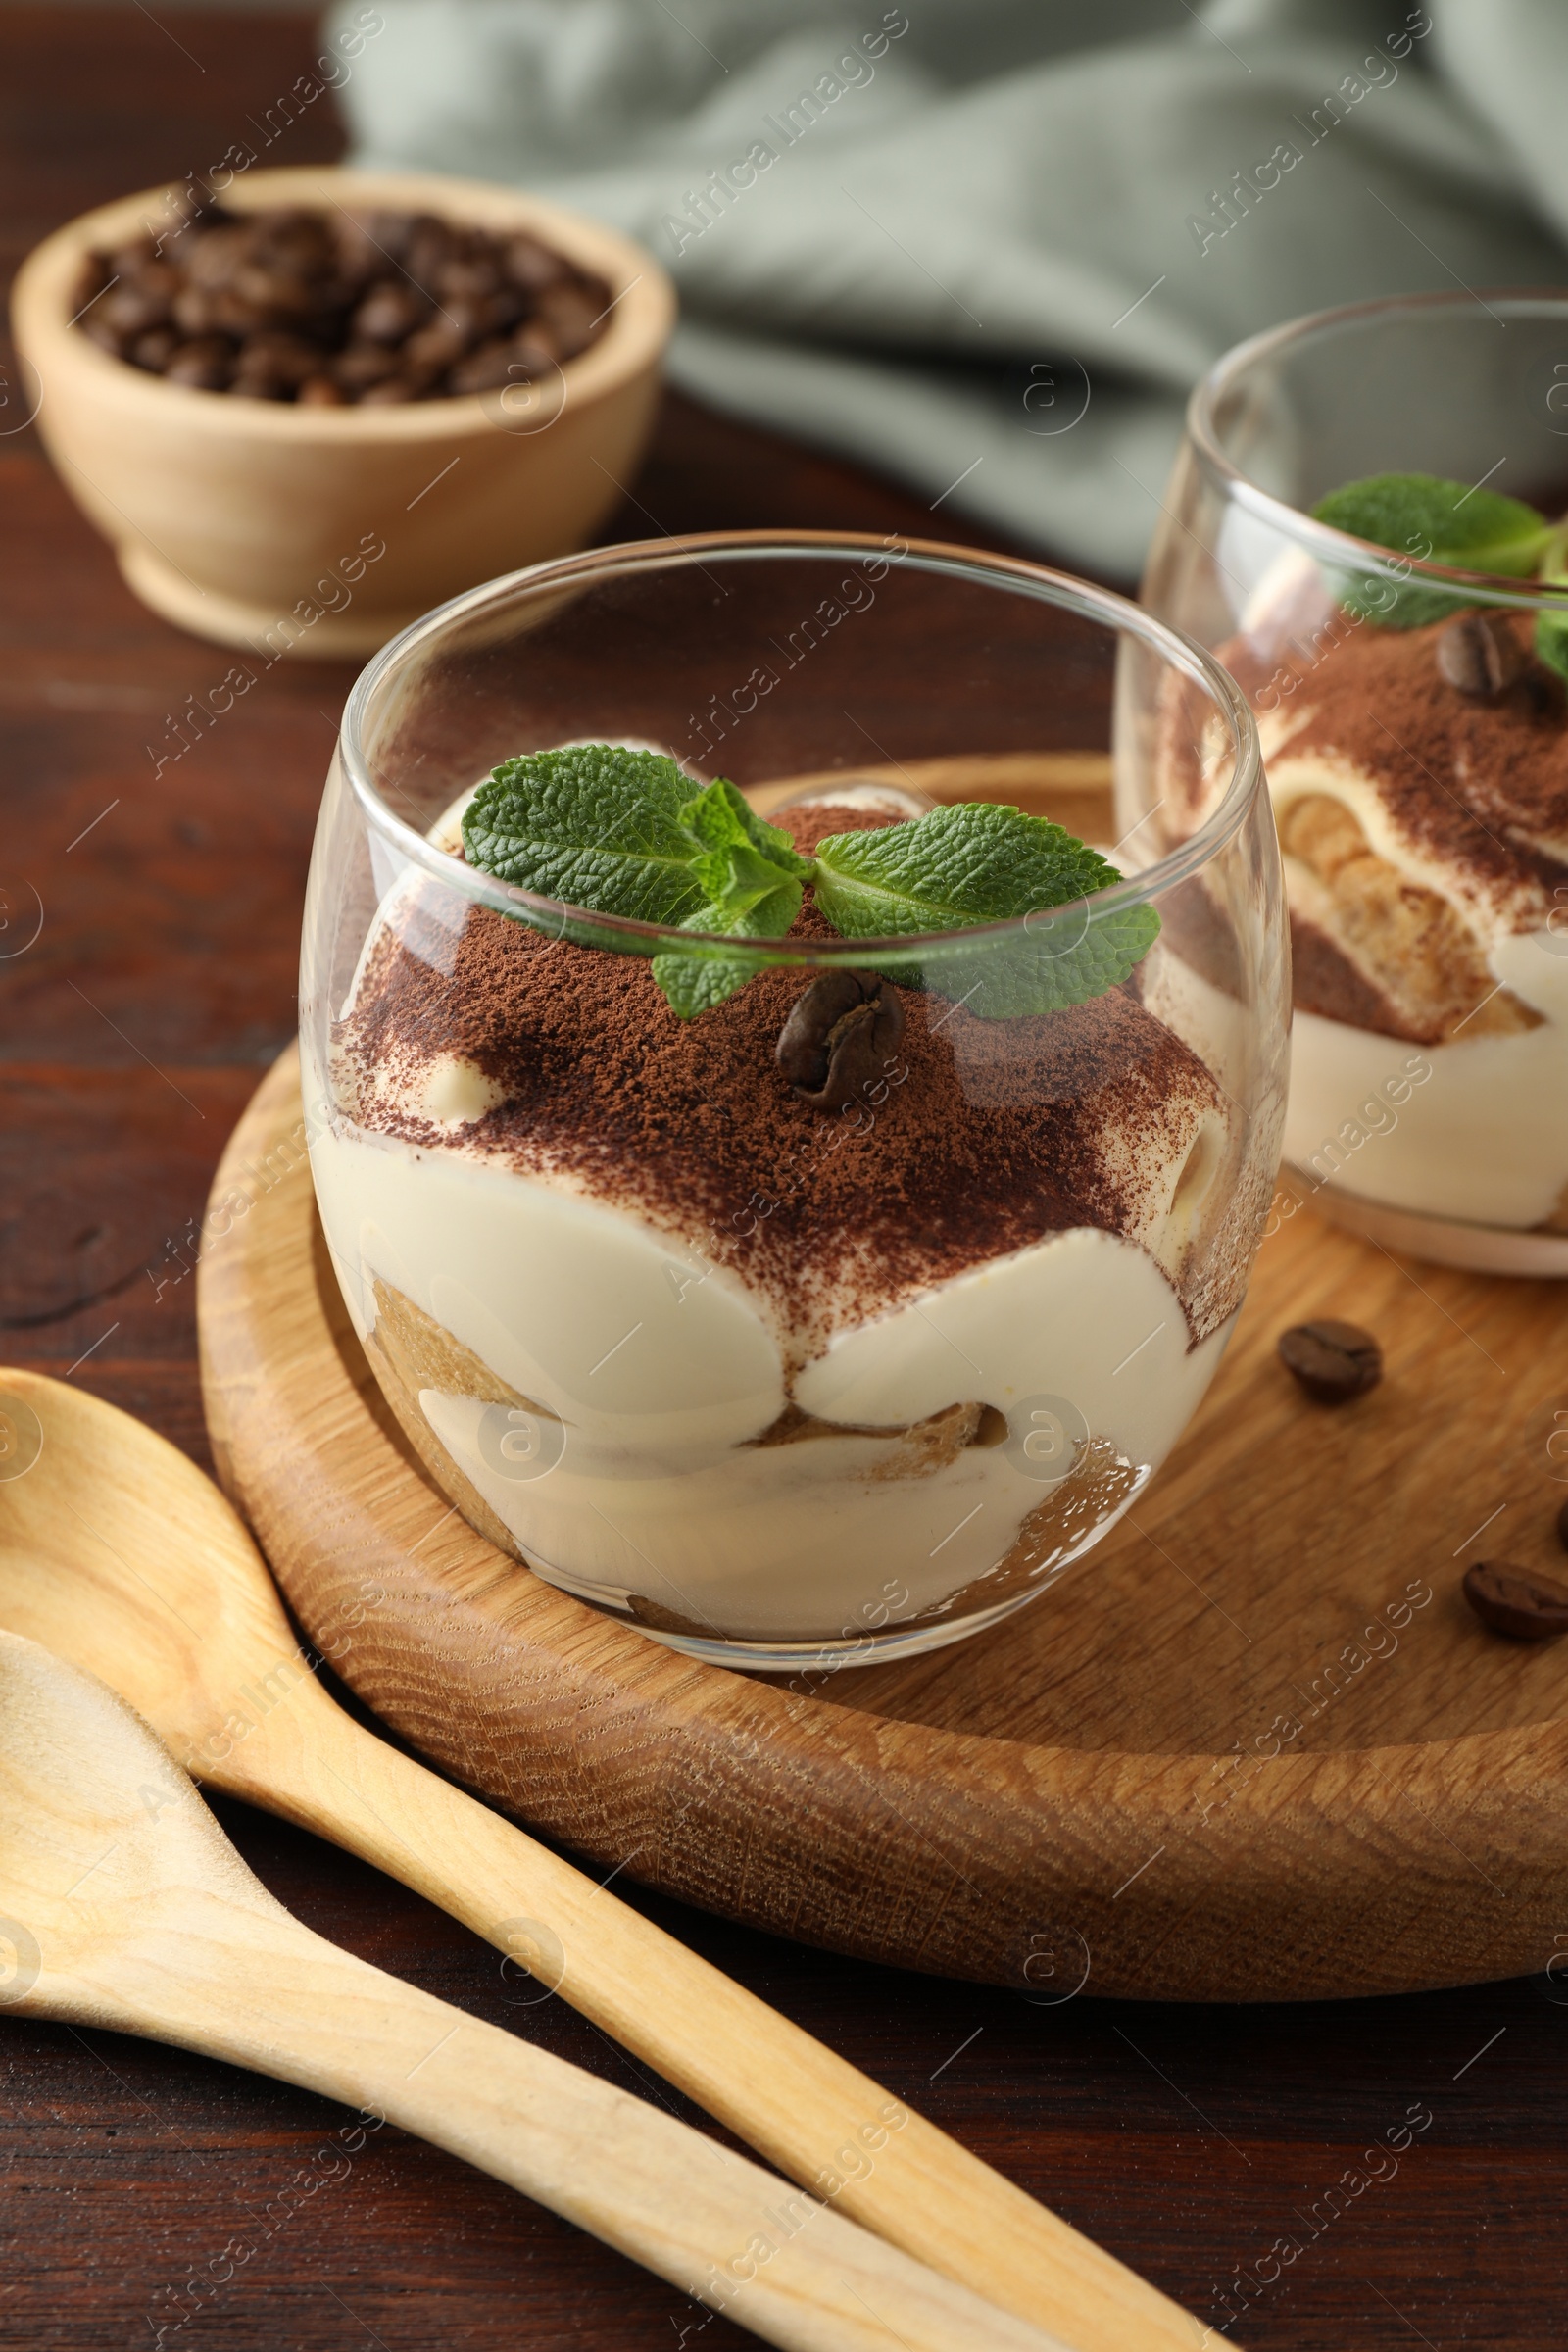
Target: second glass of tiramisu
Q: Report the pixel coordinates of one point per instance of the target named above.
(1367, 527)
(792, 1152)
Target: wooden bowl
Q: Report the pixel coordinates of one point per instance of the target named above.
(256, 522)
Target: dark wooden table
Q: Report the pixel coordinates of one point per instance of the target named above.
(150, 2198)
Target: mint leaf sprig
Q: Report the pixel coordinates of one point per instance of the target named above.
(1454, 524)
(620, 832)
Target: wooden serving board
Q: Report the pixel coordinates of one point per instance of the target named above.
(1254, 1746)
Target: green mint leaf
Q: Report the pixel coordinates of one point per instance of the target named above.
(697, 978)
(1058, 960)
(737, 859)
(1473, 530)
(1551, 636)
(595, 824)
(620, 832)
(721, 816)
(975, 863)
(984, 863)
(1437, 522)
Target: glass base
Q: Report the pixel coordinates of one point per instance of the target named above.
(1440, 1240)
(827, 1658)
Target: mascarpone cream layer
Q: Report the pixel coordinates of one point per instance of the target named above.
(662, 1375)
(1485, 1138)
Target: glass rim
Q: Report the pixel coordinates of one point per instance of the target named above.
(1321, 538)
(1182, 654)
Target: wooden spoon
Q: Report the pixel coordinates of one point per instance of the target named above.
(135, 1911)
(117, 1552)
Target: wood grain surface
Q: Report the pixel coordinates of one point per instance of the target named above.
(1255, 1746)
(142, 2188)
(179, 1942)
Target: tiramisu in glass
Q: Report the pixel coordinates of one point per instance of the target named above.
(1365, 526)
(815, 1292)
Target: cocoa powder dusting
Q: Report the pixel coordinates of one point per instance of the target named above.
(991, 1134)
(1479, 786)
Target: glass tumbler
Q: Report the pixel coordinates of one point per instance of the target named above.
(1420, 785)
(772, 1381)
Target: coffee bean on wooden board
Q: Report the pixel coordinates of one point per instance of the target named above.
(1333, 1361)
(1516, 1602)
(1480, 654)
(842, 1032)
(329, 311)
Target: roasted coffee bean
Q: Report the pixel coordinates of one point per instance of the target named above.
(104, 333)
(145, 270)
(272, 295)
(132, 312)
(1516, 1602)
(196, 310)
(532, 266)
(364, 365)
(215, 256)
(280, 362)
(841, 1033)
(385, 234)
(1562, 1527)
(571, 312)
(128, 262)
(1333, 1361)
(206, 364)
(1480, 654)
(390, 311)
(469, 277)
(1542, 692)
(437, 345)
(483, 369)
(154, 350)
(431, 244)
(396, 305)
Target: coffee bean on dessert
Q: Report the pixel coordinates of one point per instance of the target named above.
(1541, 690)
(1333, 1361)
(1516, 1602)
(1480, 654)
(841, 1033)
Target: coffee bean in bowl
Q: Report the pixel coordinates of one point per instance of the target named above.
(331, 309)
(309, 410)
(1333, 1361)
(1516, 1602)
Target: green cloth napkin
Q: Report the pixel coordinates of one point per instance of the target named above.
(988, 245)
